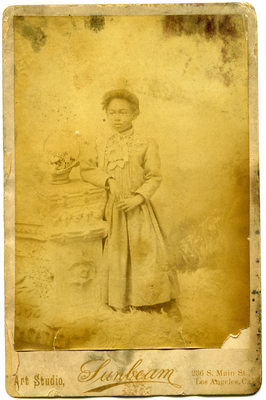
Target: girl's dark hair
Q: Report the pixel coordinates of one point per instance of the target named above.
(121, 94)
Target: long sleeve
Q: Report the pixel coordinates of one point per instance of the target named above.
(89, 170)
(152, 173)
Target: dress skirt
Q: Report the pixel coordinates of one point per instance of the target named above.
(135, 270)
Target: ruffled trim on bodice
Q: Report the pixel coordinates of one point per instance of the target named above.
(117, 147)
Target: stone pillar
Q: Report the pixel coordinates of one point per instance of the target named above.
(58, 262)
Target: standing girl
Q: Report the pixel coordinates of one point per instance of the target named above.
(136, 271)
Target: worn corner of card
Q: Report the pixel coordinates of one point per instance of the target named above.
(131, 174)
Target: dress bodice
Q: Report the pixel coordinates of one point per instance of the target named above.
(120, 151)
(132, 159)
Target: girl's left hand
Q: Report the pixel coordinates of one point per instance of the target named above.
(128, 204)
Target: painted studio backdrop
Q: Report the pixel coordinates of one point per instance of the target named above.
(190, 74)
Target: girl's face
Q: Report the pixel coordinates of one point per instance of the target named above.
(120, 115)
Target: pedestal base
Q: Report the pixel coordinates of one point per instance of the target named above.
(58, 265)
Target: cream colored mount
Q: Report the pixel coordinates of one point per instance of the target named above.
(57, 262)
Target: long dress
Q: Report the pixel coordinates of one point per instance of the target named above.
(136, 271)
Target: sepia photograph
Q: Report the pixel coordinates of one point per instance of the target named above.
(132, 230)
(131, 146)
